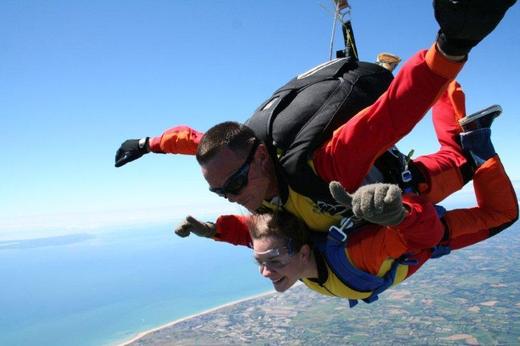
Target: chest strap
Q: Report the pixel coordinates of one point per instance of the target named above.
(352, 277)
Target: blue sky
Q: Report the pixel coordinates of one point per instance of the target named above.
(79, 77)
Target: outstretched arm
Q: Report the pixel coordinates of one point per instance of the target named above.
(176, 140)
(233, 229)
(228, 228)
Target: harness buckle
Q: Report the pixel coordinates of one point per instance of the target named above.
(406, 176)
(345, 224)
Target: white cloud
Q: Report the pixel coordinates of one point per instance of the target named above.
(45, 225)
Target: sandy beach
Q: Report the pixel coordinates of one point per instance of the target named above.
(174, 322)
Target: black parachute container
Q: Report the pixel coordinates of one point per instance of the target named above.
(302, 115)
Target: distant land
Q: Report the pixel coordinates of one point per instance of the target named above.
(470, 297)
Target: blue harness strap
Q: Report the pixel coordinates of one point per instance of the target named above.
(334, 250)
(440, 250)
(337, 259)
(440, 210)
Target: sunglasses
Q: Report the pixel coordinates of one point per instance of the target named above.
(238, 180)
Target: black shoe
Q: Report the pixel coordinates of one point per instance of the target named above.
(480, 120)
(464, 23)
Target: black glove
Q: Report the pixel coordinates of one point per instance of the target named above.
(380, 204)
(192, 225)
(131, 150)
(464, 23)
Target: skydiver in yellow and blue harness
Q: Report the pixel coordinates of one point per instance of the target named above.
(256, 175)
(357, 260)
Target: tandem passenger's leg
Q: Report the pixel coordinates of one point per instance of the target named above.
(497, 207)
(447, 170)
(497, 202)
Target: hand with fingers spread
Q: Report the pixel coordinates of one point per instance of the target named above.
(192, 225)
(376, 203)
(131, 150)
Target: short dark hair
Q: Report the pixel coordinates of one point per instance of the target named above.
(236, 136)
(280, 224)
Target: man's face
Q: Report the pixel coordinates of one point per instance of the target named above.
(239, 178)
(276, 263)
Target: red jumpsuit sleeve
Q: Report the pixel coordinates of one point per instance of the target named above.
(233, 229)
(353, 148)
(420, 230)
(177, 140)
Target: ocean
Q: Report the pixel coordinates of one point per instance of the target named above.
(103, 288)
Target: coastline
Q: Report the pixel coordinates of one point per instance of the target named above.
(182, 319)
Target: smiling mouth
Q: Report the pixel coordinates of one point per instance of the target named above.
(278, 281)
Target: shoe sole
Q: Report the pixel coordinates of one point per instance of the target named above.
(472, 117)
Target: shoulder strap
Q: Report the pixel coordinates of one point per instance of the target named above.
(334, 252)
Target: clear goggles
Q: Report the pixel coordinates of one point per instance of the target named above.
(274, 258)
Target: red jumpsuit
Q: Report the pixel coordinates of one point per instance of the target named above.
(373, 248)
(417, 86)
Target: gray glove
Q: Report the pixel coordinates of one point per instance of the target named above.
(192, 225)
(380, 204)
